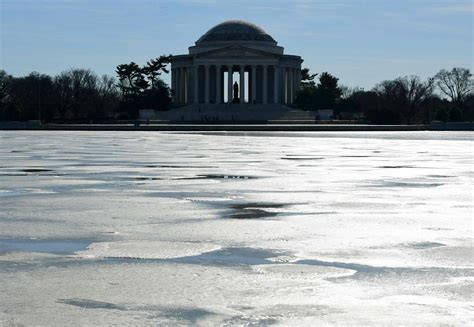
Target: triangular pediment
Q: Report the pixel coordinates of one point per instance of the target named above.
(235, 51)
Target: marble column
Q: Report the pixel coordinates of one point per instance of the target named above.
(218, 84)
(265, 85)
(295, 83)
(206, 84)
(242, 84)
(173, 84)
(275, 84)
(229, 84)
(288, 85)
(178, 85)
(176, 90)
(291, 84)
(196, 84)
(182, 86)
(254, 84)
(298, 81)
(186, 82)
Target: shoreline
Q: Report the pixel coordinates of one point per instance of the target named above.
(216, 127)
(434, 126)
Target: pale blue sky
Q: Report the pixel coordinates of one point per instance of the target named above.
(360, 41)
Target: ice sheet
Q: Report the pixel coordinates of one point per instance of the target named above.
(236, 228)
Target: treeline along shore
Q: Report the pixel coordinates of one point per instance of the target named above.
(80, 96)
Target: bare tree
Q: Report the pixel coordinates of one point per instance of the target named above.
(107, 85)
(456, 84)
(5, 80)
(416, 91)
(347, 91)
(78, 93)
(83, 79)
(405, 95)
(5, 86)
(63, 90)
(109, 94)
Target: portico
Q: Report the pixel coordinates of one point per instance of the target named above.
(235, 52)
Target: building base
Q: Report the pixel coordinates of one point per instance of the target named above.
(230, 113)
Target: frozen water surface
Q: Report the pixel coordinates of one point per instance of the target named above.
(236, 228)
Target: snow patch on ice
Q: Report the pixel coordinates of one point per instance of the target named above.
(299, 271)
(146, 249)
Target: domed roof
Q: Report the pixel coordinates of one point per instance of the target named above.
(235, 30)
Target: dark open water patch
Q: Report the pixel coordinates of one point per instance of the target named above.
(197, 177)
(263, 210)
(301, 158)
(45, 245)
(252, 214)
(35, 170)
(91, 304)
(260, 205)
(13, 174)
(395, 167)
(256, 210)
(29, 174)
(142, 178)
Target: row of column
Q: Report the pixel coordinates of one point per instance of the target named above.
(179, 84)
(292, 84)
(180, 77)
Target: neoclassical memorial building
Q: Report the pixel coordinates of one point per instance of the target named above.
(235, 62)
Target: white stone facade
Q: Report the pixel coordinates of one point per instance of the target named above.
(266, 74)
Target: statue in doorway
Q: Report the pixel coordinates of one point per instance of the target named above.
(236, 92)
